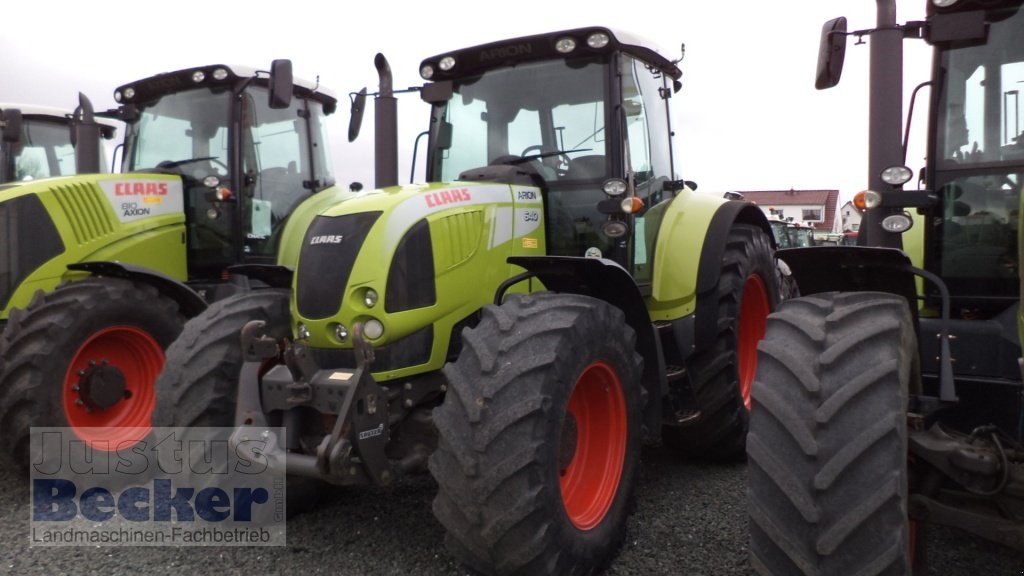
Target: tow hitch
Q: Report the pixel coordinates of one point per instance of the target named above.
(353, 452)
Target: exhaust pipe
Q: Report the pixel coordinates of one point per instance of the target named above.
(385, 128)
(85, 137)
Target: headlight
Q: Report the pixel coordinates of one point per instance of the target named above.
(198, 76)
(302, 332)
(447, 63)
(614, 228)
(597, 40)
(565, 45)
(341, 332)
(220, 74)
(373, 329)
(897, 223)
(427, 72)
(944, 3)
(897, 175)
(370, 298)
(615, 187)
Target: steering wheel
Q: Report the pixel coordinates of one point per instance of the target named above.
(561, 169)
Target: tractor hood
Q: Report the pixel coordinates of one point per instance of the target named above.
(380, 258)
(50, 223)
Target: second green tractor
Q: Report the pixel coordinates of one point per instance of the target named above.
(554, 296)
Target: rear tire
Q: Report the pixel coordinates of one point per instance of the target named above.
(200, 384)
(540, 437)
(721, 376)
(827, 447)
(85, 356)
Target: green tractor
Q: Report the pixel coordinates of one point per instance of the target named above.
(554, 296)
(39, 142)
(99, 272)
(889, 394)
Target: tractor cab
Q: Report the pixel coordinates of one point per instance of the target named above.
(249, 146)
(40, 142)
(976, 163)
(595, 139)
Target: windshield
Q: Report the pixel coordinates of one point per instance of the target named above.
(781, 233)
(183, 128)
(571, 124)
(44, 150)
(548, 110)
(980, 153)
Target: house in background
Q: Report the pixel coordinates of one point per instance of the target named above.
(813, 208)
(850, 217)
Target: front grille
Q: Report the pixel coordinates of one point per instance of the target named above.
(326, 259)
(28, 239)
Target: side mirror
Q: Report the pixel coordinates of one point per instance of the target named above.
(355, 121)
(831, 53)
(10, 120)
(281, 83)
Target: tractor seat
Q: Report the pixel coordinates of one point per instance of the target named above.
(587, 168)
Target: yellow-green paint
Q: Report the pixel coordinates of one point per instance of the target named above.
(91, 231)
(472, 239)
(677, 252)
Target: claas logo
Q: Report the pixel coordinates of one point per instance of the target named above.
(140, 189)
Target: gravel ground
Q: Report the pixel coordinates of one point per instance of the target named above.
(690, 520)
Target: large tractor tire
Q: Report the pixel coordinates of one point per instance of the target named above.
(84, 356)
(540, 437)
(198, 388)
(827, 447)
(721, 375)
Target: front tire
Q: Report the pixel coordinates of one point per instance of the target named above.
(827, 447)
(199, 387)
(85, 356)
(540, 437)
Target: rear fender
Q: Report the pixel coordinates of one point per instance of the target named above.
(710, 269)
(688, 258)
(189, 301)
(852, 269)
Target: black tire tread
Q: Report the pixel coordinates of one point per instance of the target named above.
(827, 444)
(495, 508)
(197, 387)
(721, 430)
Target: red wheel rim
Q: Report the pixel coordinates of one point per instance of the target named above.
(590, 480)
(139, 358)
(754, 310)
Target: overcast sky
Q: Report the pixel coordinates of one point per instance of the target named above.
(748, 117)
